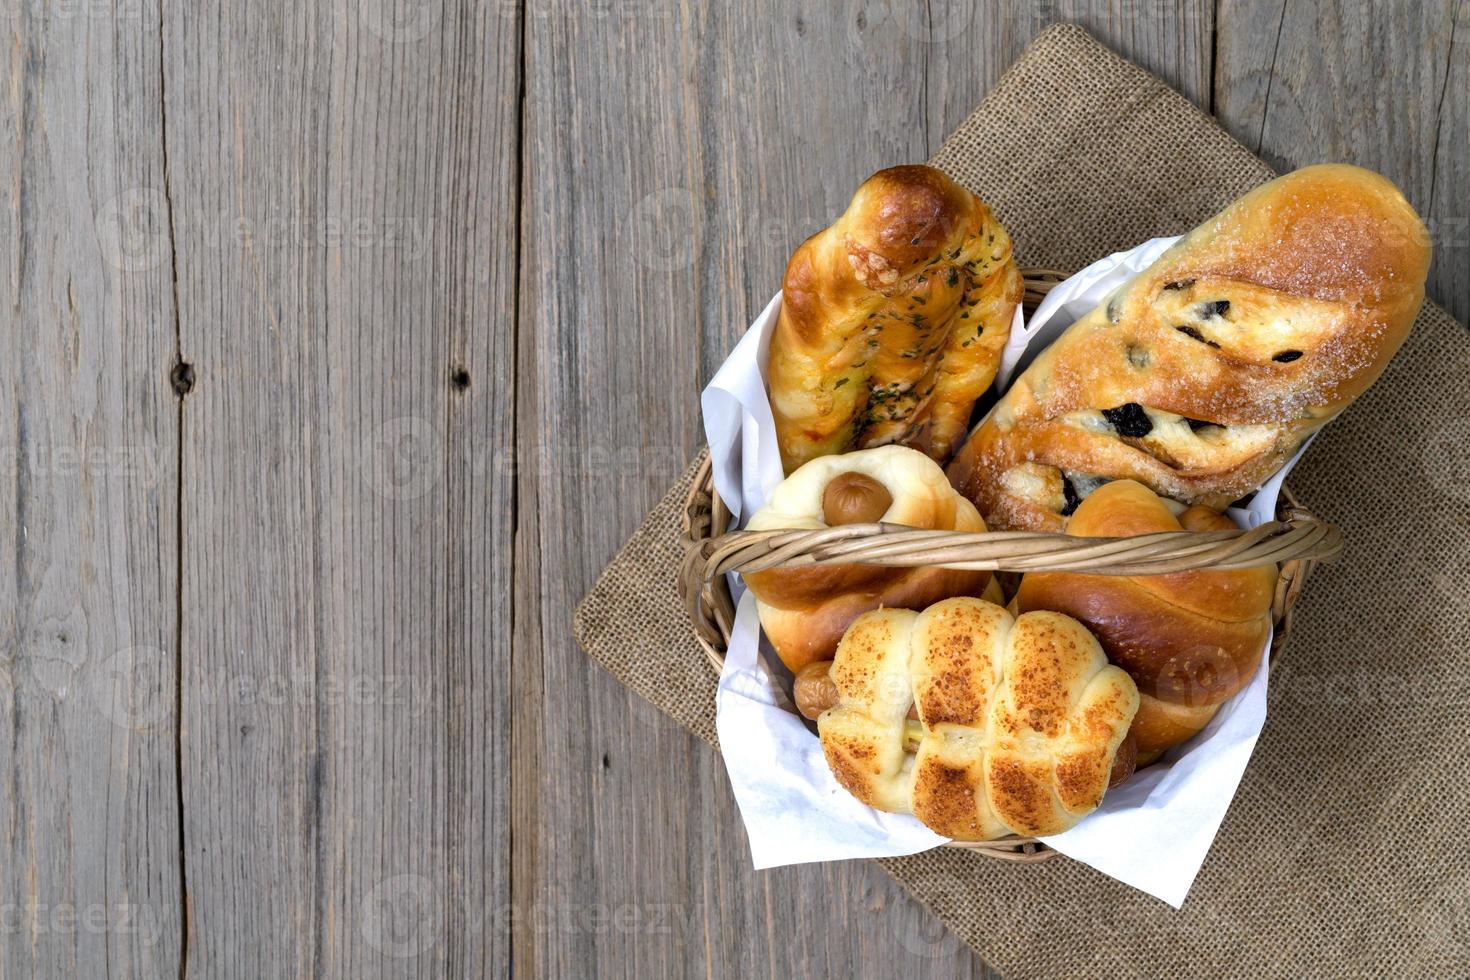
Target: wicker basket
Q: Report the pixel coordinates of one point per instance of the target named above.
(1295, 540)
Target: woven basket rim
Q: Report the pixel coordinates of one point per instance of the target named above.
(1296, 541)
(705, 591)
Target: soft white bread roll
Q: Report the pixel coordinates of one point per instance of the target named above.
(957, 662)
(892, 320)
(863, 737)
(1203, 374)
(804, 611)
(1020, 720)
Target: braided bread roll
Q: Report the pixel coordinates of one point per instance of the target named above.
(1190, 640)
(804, 611)
(1019, 719)
(892, 320)
(1203, 375)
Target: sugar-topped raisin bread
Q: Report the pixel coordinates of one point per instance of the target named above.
(1203, 374)
(892, 320)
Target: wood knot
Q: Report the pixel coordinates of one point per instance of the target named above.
(181, 377)
(460, 379)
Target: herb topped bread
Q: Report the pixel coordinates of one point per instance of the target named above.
(892, 320)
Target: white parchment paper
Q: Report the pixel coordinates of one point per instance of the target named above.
(1153, 832)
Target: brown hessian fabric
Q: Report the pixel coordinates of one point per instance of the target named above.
(1346, 850)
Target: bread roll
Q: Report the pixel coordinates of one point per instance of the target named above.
(892, 320)
(1189, 640)
(814, 692)
(1203, 374)
(1020, 719)
(804, 611)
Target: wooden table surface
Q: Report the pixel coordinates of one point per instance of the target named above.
(349, 340)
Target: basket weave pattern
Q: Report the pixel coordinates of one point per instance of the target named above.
(1295, 540)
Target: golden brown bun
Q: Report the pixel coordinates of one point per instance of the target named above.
(892, 320)
(1020, 720)
(1125, 763)
(1189, 640)
(804, 611)
(1159, 726)
(1202, 375)
(814, 692)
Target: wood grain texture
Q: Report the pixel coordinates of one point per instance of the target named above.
(346, 180)
(479, 211)
(658, 217)
(1382, 85)
(89, 873)
(450, 275)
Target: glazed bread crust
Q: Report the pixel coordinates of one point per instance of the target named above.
(1189, 640)
(892, 320)
(1202, 375)
(804, 611)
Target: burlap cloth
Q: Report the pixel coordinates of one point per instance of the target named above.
(1345, 852)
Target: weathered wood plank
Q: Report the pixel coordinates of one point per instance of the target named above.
(1382, 85)
(347, 179)
(1449, 186)
(479, 238)
(89, 875)
(674, 157)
